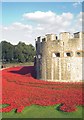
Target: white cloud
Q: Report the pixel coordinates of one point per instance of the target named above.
(49, 21)
(47, 17)
(17, 32)
(43, 23)
(40, 16)
(19, 26)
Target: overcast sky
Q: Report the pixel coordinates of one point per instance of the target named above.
(24, 21)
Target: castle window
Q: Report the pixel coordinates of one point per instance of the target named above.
(68, 54)
(56, 38)
(78, 53)
(56, 54)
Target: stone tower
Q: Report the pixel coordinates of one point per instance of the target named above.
(60, 59)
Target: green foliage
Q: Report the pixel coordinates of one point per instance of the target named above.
(7, 51)
(17, 53)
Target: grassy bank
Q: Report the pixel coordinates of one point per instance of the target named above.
(36, 111)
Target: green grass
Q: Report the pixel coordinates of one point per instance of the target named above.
(36, 111)
(19, 64)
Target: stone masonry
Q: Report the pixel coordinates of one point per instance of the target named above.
(60, 59)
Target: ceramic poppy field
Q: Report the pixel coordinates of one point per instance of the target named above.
(20, 89)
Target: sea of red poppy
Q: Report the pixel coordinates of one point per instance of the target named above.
(21, 89)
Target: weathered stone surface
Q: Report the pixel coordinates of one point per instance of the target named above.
(60, 59)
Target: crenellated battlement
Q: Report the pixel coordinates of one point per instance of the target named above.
(62, 36)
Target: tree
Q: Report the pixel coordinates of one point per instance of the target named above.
(17, 53)
(7, 51)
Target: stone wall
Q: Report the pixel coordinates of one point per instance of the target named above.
(60, 60)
